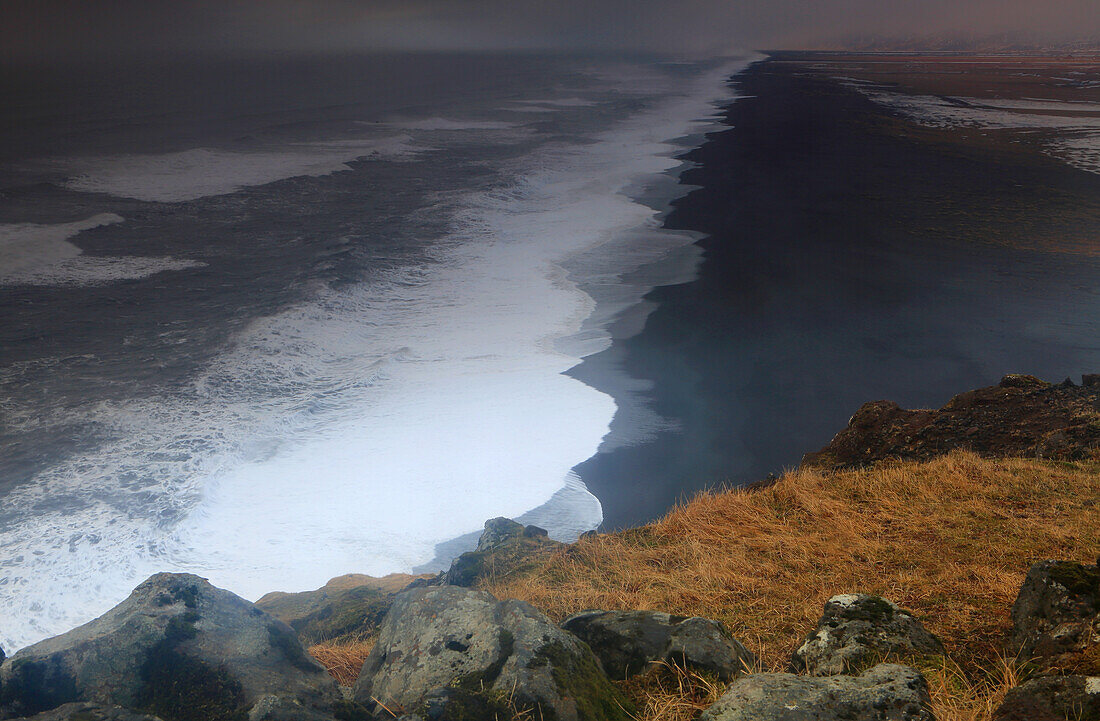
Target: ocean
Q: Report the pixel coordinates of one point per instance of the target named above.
(272, 320)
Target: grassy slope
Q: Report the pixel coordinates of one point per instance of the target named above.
(950, 539)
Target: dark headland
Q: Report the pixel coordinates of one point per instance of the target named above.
(852, 254)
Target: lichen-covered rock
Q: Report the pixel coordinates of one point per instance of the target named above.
(498, 531)
(504, 547)
(1052, 698)
(1056, 616)
(178, 648)
(283, 708)
(629, 642)
(887, 692)
(859, 630)
(91, 712)
(454, 649)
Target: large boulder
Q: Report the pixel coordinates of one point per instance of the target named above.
(1052, 698)
(178, 648)
(461, 653)
(886, 692)
(344, 609)
(81, 711)
(1056, 616)
(629, 642)
(859, 630)
(505, 547)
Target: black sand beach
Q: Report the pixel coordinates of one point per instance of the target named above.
(850, 255)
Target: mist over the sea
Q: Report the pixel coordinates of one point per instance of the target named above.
(692, 28)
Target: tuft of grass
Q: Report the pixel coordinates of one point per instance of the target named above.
(960, 694)
(344, 659)
(671, 692)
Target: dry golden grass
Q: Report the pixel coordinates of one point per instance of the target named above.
(672, 693)
(959, 694)
(343, 660)
(949, 539)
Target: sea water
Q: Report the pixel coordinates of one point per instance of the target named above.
(272, 321)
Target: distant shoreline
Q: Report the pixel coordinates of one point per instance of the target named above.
(850, 254)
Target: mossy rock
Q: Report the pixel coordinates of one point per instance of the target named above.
(505, 549)
(457, 703)
(580, 677)
(857, 631)
(177, 647)
(1076, 578)
(466, 641)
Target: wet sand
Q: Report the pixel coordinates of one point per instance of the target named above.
(851, 255)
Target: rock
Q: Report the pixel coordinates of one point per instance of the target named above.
(178, 648)
(706, 645)
(857, 631)
(448, 650)
(1056, 616)
(346, 608)
(626, 642)
(1020, 380)
(629, 642)
(91, 712)
(281, 708)
(1090, 380)
(1052, 698)
(887, 692)
(498, 531)
(1020, 416)
(505, 547)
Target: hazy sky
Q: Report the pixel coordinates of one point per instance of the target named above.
(691, 26)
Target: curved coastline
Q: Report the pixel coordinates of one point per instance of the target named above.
(845, 257)
(617, 273)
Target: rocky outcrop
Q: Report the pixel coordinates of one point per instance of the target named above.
(178, 648)
(1021, 416)
(629, 642)
(346, 608)
(505, 547)
(1056, 616)
(90, 712)
(1052, 698)
(461, 653)
(857, 631)
(886, 692)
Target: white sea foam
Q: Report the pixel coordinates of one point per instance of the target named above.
(560, 102)
(24, 246)
(452, 124)
(943, 113)
(357, 431)
(1081, 150)
(1073, 127)
(34, 254)
(97, 270)
(1068, 106)
(201, 172)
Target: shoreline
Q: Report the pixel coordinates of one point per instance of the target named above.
(848, 255)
